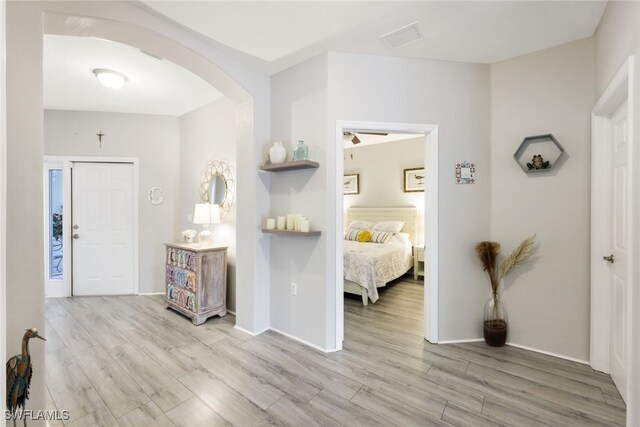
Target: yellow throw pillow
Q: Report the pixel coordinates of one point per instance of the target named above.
(364, 236)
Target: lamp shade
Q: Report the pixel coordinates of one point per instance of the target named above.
(206, 213)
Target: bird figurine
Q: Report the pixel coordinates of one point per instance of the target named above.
(19, 372)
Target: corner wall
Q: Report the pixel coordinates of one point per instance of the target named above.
(617, 37)
(299, 111)
(547, 298)
(307, 100)
(155, 141)
(207, 133)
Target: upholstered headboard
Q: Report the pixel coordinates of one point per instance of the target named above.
(407, 214)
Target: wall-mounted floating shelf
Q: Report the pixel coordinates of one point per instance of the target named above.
(290, 166)
(538, 153)
(292, 233)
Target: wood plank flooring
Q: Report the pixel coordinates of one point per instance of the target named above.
(126, 361)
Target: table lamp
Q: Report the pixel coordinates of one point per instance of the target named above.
(205, 214)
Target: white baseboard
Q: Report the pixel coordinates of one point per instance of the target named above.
(150, 293)
(301, 341)
(524, 347)
(249, 332)
(232, 312)
(460, 341)
(548, 353)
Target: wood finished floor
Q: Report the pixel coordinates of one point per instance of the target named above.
(126, 361)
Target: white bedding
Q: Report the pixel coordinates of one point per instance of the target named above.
(372, 265)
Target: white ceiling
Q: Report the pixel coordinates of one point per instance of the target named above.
(154, 86)
(275, 35)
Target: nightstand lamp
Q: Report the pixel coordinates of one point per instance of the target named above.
(205, 214)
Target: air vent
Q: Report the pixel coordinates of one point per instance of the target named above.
(402, 36)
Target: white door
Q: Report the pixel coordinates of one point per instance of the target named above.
(102, 218)
(619, 245)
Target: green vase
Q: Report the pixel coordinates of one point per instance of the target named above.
(301, 152)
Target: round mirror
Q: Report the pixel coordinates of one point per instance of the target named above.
(216, 190)
(217, 185)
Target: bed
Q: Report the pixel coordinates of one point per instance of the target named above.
(369, 266)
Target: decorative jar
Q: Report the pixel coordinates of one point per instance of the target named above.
(301, 152)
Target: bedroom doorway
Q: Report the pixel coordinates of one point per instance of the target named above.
(416, 210)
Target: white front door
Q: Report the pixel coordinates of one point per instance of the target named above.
(619, 247)
(102, 228)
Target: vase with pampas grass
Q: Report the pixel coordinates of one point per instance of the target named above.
(495, 313)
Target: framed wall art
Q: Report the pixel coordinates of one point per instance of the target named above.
(351, 184)
(414, 180)
(465, 172)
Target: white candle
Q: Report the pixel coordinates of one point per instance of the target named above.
(304, 226)
(271, 223)
(281, 223)
(291, 221)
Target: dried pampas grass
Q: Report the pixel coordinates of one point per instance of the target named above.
(488, 253)
(519, 254)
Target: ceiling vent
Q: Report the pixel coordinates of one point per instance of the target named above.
(402, 36)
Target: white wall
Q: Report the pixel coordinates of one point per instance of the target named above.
(155, 141)
(545, 92)
(3, 196)
(456, 97)
(24, 260)
(298, 111)
(207, 133)
(381, 176)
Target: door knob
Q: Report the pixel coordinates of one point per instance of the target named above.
(75, 227)
(608, 258)
(76, 236)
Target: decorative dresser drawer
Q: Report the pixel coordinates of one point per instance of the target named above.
(196, 280)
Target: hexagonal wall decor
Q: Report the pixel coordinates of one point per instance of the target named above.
(538, 153)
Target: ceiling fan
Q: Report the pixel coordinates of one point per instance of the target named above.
(353, 136)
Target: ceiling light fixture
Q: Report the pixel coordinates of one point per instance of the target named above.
(109, 78)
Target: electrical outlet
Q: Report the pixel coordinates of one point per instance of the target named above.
(294, 288)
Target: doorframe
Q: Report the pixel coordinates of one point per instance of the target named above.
(67, 162)
(430, 225)
(624, 86)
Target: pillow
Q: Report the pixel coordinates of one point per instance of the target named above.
(388, 226)
(380, 236)
(361, 225)
(403, 237)
(351, 234)
(362, 236)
